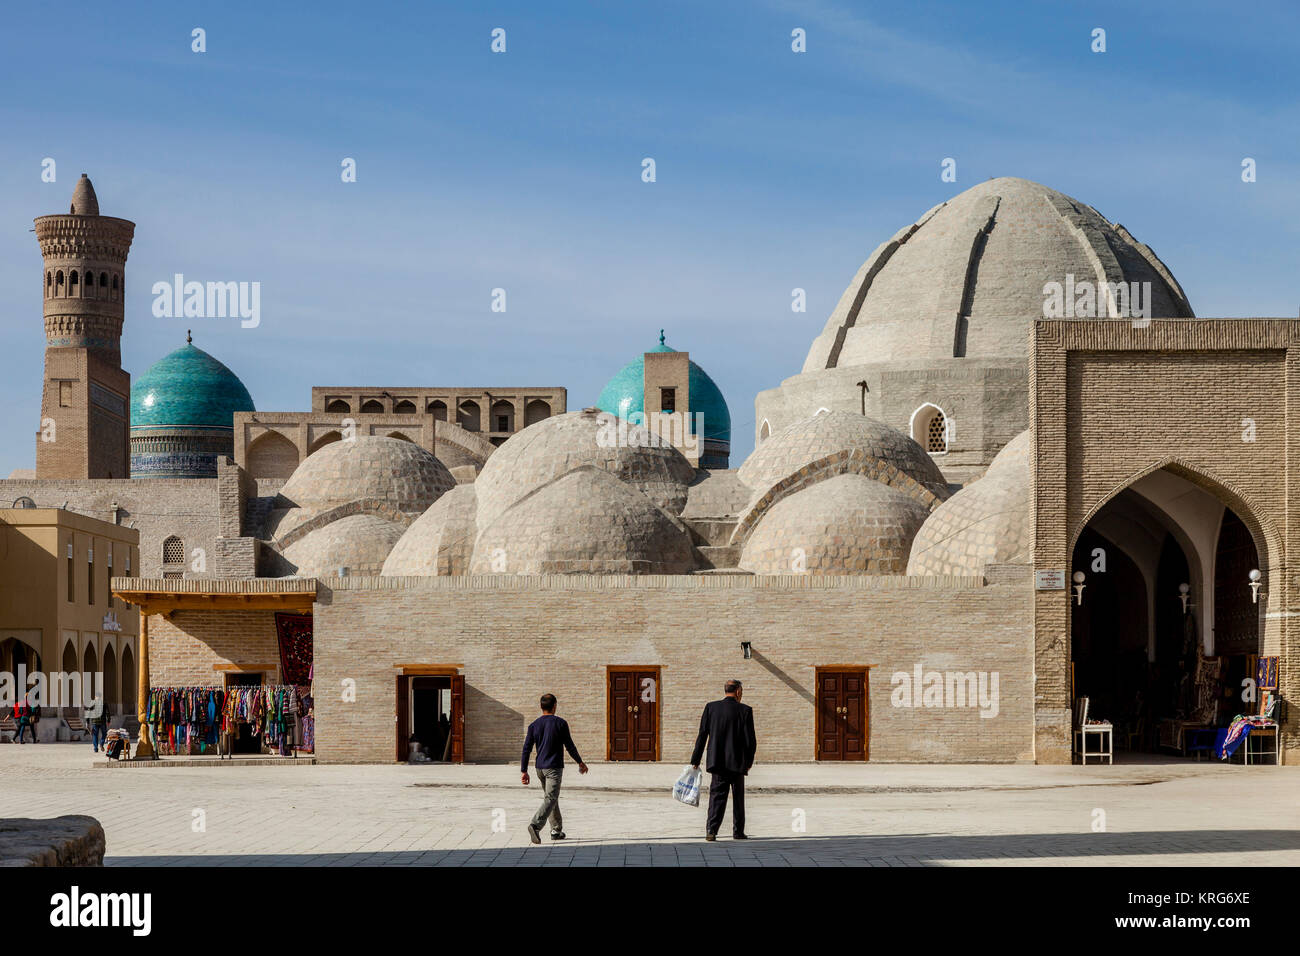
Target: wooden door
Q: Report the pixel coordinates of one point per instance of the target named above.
(403, 718)
(632, 722)
(458, 718)
(853, 717)
(622, 692)
(842, 731)
(645, 715)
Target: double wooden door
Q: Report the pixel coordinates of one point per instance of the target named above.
(842, 714)
(633, 720)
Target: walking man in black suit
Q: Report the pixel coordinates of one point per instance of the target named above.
(728, 726)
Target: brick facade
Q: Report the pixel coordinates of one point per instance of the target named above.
(1111, 403)
(515, 638)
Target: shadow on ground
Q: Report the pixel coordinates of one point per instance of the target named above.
(1087, 849)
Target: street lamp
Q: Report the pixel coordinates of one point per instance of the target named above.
(1256, 580)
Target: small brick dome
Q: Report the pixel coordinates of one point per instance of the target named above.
(586, 521)
(848, 524)
(359, 542)
(398, 473)
(803, 442)
(543, 452)
(988, 522)
(440, 541)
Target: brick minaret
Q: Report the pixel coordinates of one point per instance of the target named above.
(85, 397)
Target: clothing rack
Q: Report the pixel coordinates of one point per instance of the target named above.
(177, 716)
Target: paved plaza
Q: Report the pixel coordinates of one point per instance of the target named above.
(1172, 813)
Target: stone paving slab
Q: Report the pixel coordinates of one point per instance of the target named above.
(1174, 813)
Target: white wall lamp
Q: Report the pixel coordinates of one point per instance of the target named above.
(1185, 595)
(1256, 581)
(747, 650)
(1079, 578)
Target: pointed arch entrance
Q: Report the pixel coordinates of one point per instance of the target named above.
(1166, 627)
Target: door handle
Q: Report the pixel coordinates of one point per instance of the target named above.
(637, 709)
(629, 708)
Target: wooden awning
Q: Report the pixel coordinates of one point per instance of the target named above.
(165, 595)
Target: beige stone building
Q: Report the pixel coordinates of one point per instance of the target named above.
(1014, 471)
(58, 613)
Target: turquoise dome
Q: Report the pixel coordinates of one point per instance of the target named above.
(625, 394)
(188, 388)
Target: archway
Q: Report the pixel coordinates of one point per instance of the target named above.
(1166, 628)
(535, 411)
(326, 439)
(467, 415)
(128, 681)
(272, 455)
(69, 667)
(90, 668)
(110, 680)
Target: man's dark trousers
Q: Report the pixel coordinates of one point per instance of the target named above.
(724, 780)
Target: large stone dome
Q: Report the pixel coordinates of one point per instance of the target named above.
(848, 524)
(397, 473)
(549, 449)
(966, 279)
(987, 522)
(810, 439)
(440, 541)
(585, 522)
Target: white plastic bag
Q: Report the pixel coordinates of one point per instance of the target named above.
(687, 788)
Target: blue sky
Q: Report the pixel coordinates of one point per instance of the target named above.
(522, 171)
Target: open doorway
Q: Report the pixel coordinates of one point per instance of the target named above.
(430, 718)
(1165, 627)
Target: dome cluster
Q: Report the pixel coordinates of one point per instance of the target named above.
(560, 497)
(837, 493)
(349, 503)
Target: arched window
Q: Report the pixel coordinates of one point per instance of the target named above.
(72, 281)
(930, 429)
(338, 406)
(764, 431)
(404, 407)
(103, 280)
(438, 409)
(58, 282)
(536, 411)
(173, 551)
(467, 416)
(372, 406)
(49, 284)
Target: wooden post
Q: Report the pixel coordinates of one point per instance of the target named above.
(142, 747)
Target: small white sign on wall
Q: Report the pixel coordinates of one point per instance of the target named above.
(1050, 580)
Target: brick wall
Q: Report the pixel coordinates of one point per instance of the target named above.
(158, 508)
(1111, 402)
(196, 648)
(518, 637)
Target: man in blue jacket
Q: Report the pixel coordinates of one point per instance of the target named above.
(550, 734)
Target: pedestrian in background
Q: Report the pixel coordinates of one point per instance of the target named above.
(550, 734)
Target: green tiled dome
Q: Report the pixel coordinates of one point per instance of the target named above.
(188, 388)
(625, 394)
